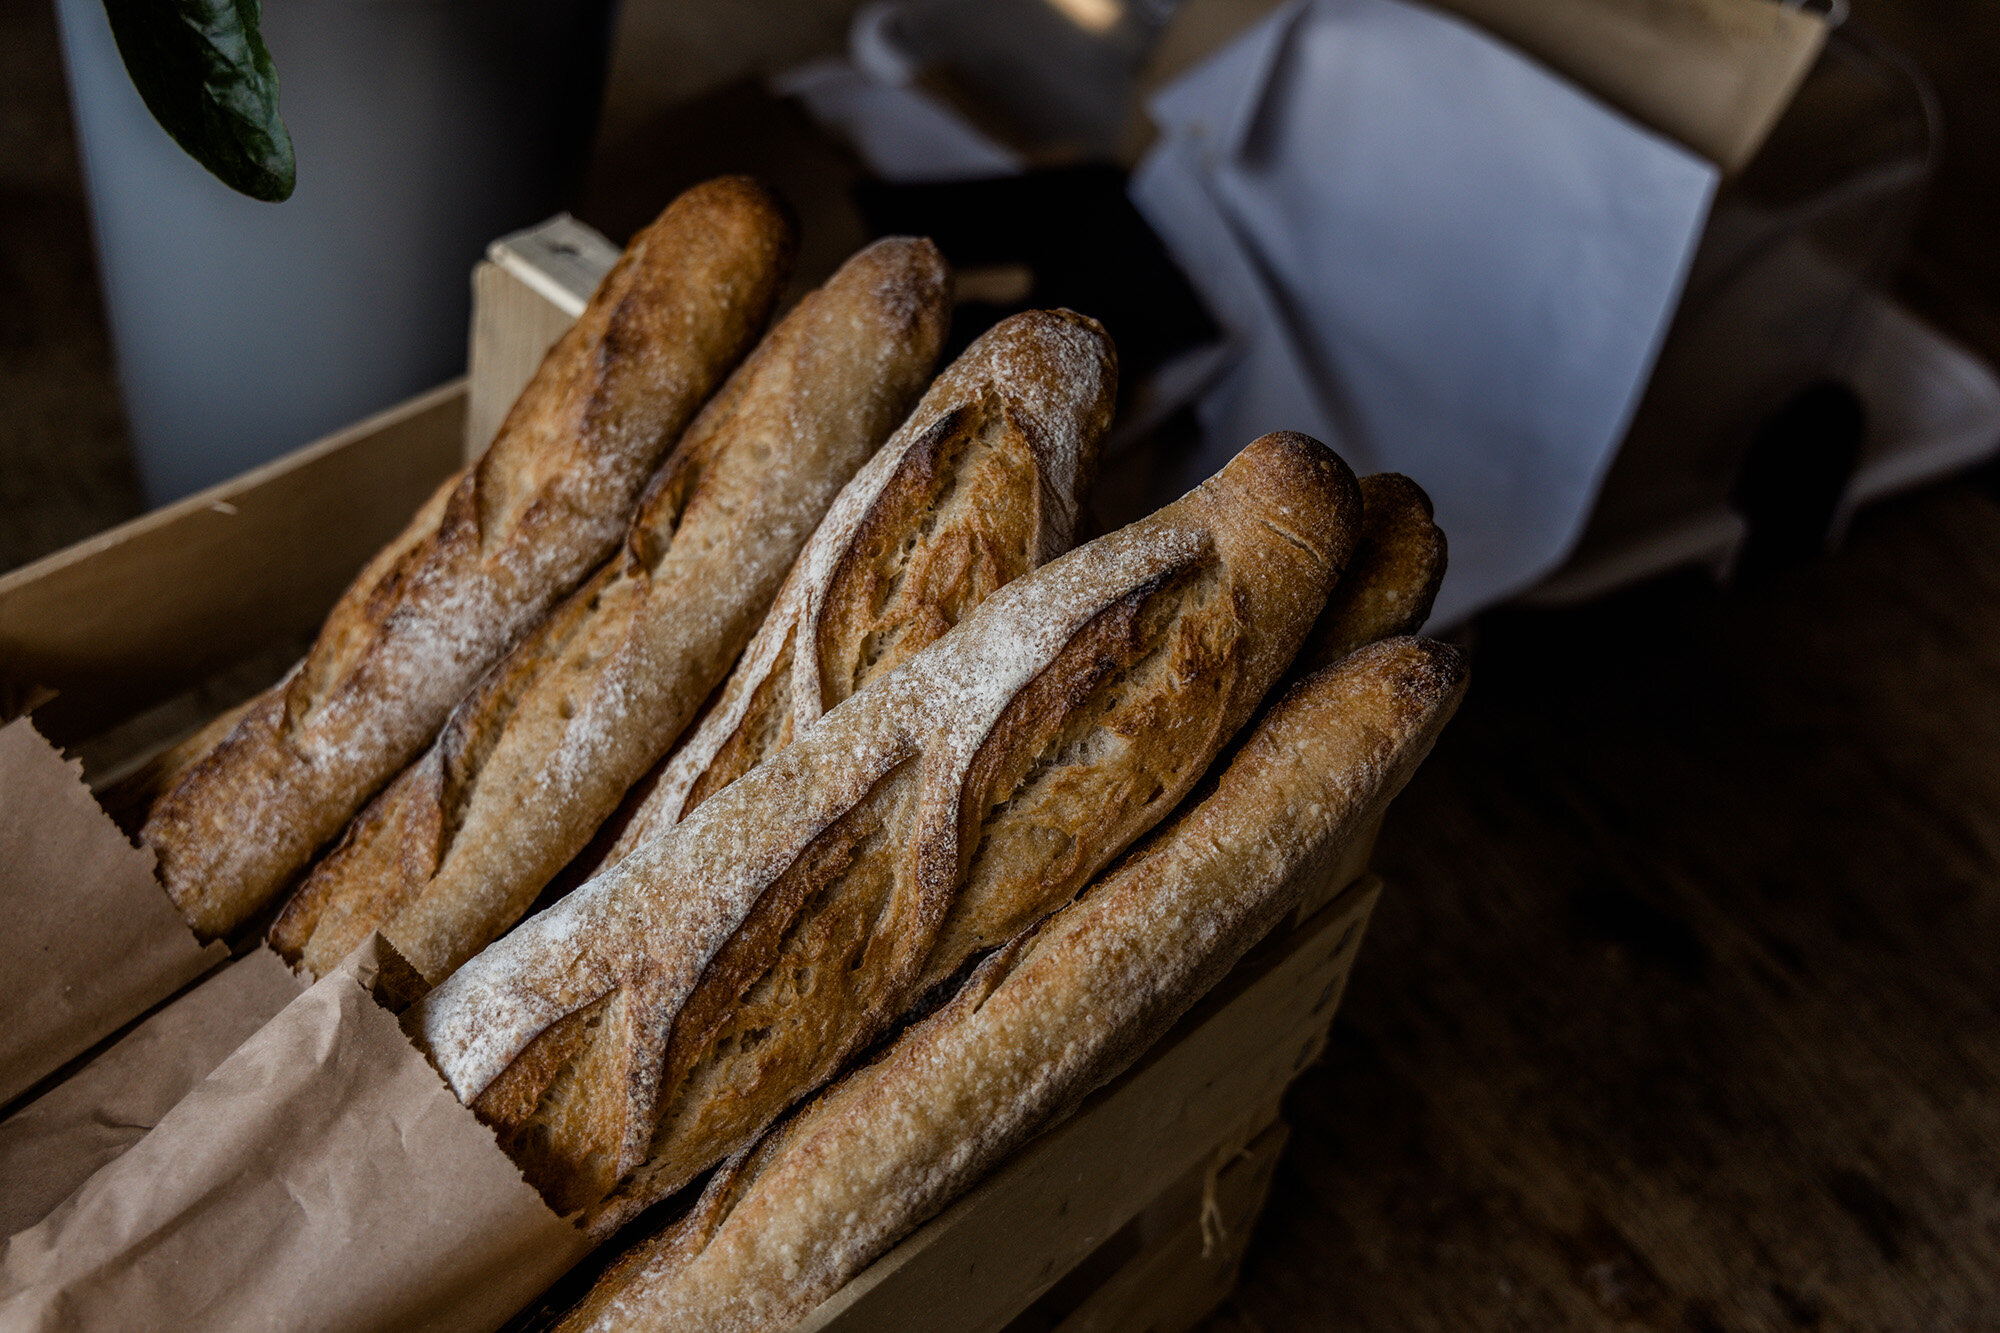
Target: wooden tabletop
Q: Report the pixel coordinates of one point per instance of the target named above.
(1682, 1007)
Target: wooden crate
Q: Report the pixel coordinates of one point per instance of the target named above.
(1131, 1214)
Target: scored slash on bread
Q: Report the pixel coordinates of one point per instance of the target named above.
(483, 560)
(534, 759)
(1046, 1020)
(981, 485)
(662, 1015)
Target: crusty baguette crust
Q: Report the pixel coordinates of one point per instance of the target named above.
(1044, 1021)
(663, 1015)
(979, 486)
(483, 561)
(529, 765)
(1393, 578)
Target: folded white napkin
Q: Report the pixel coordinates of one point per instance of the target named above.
(1432, 253)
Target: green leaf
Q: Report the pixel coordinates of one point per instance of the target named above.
(203, 72)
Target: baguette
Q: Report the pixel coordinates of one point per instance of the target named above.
(458, 847)
(661, 1016)
(1392, 580)
(1045, 1020)
(980, 486)
(483, 560)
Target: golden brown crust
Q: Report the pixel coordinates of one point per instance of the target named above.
(535, 758)
(393, 848)
(1393, 579)
(754, 946)
(483, 561)
(1044, 1021)
(979, 486)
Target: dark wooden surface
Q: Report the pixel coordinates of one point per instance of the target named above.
(65, 467)
(1952, 272)
(1683, 1008)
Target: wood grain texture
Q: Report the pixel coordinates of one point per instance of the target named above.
(1188, 1245)
(1686, 1011)
(513, 327)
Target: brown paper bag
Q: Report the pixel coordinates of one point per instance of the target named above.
(57, 1141)
(321, 1177)
(93, 941)
(1713, 75)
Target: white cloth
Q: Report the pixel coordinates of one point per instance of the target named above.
(899, 131)
(1431, 253)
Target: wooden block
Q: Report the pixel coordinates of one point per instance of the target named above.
(151, 608)
(977, 1265)
(526, 293)
(513, 327)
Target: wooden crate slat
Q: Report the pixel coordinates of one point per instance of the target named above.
(1186, 1267)
(150, 608)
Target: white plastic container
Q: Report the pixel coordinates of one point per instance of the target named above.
(423, 128)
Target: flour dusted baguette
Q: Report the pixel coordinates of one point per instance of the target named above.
(1391, 581)
(482, 561)
(978, 487)
(1044, 1021)
(529, 765)
(662, 1015)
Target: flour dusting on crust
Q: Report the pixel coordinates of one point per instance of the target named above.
(1052, 373)
(1238, 569)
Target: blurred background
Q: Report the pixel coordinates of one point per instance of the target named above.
(1628, 287)
(1682, 1011)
